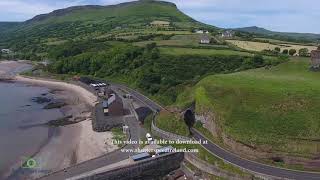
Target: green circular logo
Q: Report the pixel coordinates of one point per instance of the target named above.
(31, 163)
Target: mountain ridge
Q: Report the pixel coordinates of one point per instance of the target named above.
(64, 11)
(262, 31)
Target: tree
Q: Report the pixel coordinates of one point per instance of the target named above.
(292, 52)
(258, 60)
(303, 52)
(150, 46)
(277, 49)
(285, 51)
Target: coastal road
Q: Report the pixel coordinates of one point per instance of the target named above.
(262, 169)
(254, 166)
(140, 97)
(271, 171)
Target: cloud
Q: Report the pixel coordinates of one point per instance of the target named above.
(279, 15)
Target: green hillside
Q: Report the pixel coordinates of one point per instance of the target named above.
(5, 26)
(92, 21)
(275, 109)
(124, 14)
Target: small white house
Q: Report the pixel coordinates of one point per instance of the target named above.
(5, 51)
(204, 39)
(227, 34)
(199, 31)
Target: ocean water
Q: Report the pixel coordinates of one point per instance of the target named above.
(22, 132)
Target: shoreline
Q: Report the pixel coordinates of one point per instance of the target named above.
(73, 143)
(87, 96)
(85, 143)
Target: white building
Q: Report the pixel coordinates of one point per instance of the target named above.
(5, 51)
(205, 39)
(199, 31)
(227, 34)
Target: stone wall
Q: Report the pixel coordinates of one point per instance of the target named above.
(211, 169)
(146, 169)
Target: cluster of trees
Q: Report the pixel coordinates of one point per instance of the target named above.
(146, 37)
(143, 67)
(304, 52)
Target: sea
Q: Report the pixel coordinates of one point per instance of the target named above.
(22, 129)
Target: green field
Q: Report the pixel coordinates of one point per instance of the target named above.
(205, 52)
(277, 108)
(171, 123)
(184, 40)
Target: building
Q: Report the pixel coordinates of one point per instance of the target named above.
(205, 39)
(227, 34)
(199, 31)
(315, 59)
(5, 51)
(160, 23)
(113, 106)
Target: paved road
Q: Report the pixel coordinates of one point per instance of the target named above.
(232, 158)
(253, 166)
(216, 150)
(145, 100)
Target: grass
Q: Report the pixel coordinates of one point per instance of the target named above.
(148, 122)
(204, 155)
(207, 52)
(118, 135)
(169, 122)
(259, 46)
(188, 40)
(203, 174)
(277, 107)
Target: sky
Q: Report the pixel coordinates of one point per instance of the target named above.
(276, 15)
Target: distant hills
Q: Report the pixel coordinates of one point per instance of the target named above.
(280, 35)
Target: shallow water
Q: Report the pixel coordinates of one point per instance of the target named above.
(21, 131)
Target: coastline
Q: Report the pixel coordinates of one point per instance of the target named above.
(83, 143)
(72, 143)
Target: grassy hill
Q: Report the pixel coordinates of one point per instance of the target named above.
(287, 36)
(92, 21)
(125, 13)
(275, 109)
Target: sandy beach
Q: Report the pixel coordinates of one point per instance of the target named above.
(74, 143)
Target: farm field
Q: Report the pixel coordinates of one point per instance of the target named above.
(181, 40)
(259, 46)
(275, 109)
(276, 41)
(207, 52)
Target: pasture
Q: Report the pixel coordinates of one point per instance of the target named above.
(276, 108)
